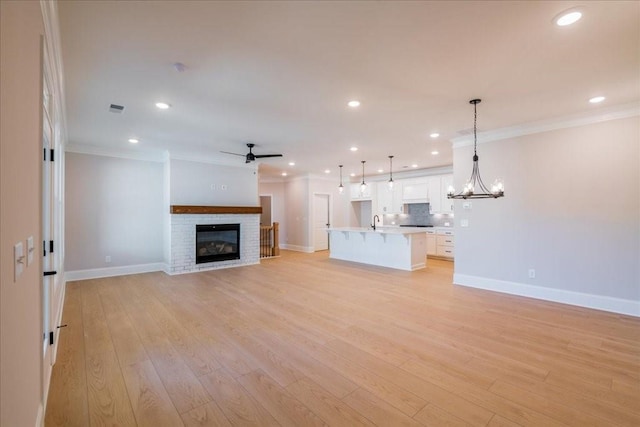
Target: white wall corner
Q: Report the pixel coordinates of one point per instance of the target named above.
(598, 302)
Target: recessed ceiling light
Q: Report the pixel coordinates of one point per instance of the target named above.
(162, 105)
(434, 135)
(352, 174)
(435, 153)
(353, 104)
(292, 163)
(283, 174)
(353, 149)
(133, 140)
(567, 17)
(380, 170)
(414, 165)
(327, 171)
(597, 99)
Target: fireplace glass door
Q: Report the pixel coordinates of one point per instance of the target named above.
(217, 242)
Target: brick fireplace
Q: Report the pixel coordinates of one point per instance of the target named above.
(185, 219)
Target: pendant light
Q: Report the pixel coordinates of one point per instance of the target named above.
(340, 187)
(475, 188)
(390, 173)
(363, 186)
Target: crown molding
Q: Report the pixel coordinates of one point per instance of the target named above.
(213, 161)
(161, 156)
(94, 150)
(271, 180)
(622, 111)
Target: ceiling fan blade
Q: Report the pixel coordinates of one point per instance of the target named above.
(235, 154)
(260, 156)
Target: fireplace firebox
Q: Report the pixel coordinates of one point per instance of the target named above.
(217, 242)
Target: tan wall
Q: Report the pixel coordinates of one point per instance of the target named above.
(114, 207)
(571, 211)
(20, 156)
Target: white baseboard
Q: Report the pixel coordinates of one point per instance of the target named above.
(40, 416)
(598, 302)
(296, 248)
(97, 273)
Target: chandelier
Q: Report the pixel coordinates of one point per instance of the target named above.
(475, 188)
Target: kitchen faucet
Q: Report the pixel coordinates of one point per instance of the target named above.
(374, 222)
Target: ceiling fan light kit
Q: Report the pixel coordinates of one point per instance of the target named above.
(475, 188)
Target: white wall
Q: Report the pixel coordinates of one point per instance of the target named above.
(292, 205)
(114, 207)
(571, 211)
(21, 27)
(297, 214)
(194, 183)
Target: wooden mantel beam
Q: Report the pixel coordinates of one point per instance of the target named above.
(187, 209)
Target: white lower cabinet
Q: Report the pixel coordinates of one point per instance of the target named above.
(444, 243)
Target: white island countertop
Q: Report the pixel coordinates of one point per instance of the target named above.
(380, 230)
(404, 248)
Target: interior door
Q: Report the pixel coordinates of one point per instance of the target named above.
(52, 222)
(265, 204)
(47, 218)
(321, 221)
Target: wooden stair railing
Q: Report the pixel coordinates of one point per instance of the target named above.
(269, 240)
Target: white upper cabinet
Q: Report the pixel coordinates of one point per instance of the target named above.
(356, 194)
(415, 190)
(447, 204)
(389, 200)
(435, 194)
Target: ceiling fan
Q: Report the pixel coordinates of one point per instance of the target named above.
(250, 157)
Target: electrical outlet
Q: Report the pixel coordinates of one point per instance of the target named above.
(107, 258)
(466, 205)
(532, 273)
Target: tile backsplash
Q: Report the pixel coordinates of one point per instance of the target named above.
(418, 214)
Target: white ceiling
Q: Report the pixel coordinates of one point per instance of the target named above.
(279, 74)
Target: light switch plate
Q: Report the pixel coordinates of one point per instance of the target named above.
(30, 250)
(18, 260)
(464, 223)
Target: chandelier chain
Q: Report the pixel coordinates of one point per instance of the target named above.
(475, 128)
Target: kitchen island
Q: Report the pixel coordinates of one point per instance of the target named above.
(400, 248)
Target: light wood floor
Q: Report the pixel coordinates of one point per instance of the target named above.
(304, 340)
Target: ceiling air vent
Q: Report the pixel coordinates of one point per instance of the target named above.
(114, 108)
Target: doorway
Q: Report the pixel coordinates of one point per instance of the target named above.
(265, 204)
(321, 221)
